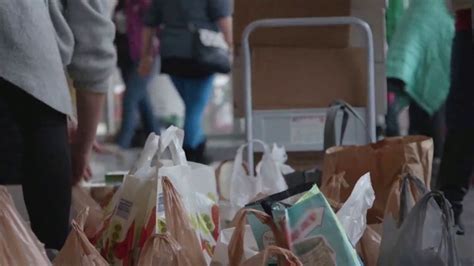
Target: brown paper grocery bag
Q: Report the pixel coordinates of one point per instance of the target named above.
(386, 161)
(18, 244)
(78, 250)
(162, 250)
(179, 225)
(81, 200)
(285, 256)
(403, 196)
(369, 245)
(332, 190)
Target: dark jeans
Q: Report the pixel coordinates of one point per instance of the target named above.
(458, 157)
(195, 93)
(34, 148)
(421, 123)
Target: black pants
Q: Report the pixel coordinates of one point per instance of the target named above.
(34, 150)
(458, 157)
(421, 123)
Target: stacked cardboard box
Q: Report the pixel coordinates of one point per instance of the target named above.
(373, 12)
(307, 67)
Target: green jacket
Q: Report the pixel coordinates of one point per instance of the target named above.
(394, 13)
(420, 53)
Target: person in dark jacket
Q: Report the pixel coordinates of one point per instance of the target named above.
(195, 91)
(458, 157)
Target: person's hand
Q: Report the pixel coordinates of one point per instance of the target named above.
(145, 66)
(80, 156)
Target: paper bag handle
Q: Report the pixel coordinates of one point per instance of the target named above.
(236, 244)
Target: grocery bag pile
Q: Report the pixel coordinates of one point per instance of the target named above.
(373, 208)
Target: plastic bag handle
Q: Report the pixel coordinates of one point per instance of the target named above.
(172, 139)
(236, 244)
(238, 161)
(274, 251)
(447, 217)
(422, 190)
(149, 150)
(449, 223)
(330, 124)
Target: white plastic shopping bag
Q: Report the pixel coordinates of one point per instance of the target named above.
(353, 214)
(221, 253)
(196, 183)
(245, 185)
(280, 157)
(131, 210)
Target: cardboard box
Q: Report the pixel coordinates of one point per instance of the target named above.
(309, 67)
(247, 11)
(376, 19)
(381, 88)
(369, 4)
(301, 161)
(292, 78)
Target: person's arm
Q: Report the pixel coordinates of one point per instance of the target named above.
(225, 26)
(89, 112)
(151, 21)
(94, 57)
(146, 57)
(93, 61)
(220, 11)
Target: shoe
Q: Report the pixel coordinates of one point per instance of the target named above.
(457, 210)
(459, 225)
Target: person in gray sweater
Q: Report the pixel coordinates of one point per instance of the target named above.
(41, 41)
